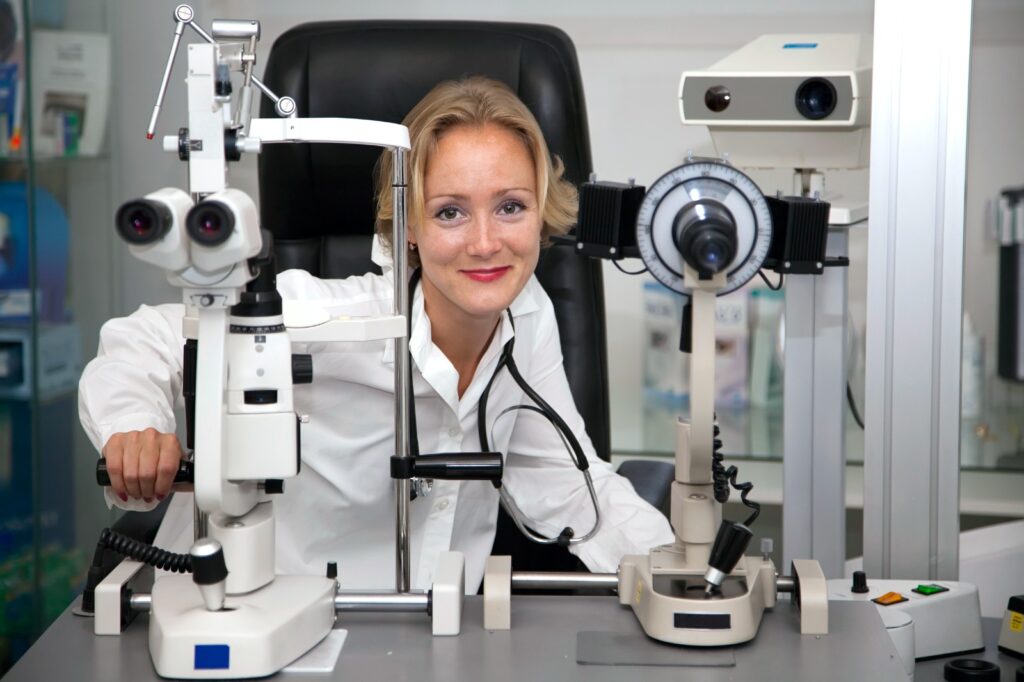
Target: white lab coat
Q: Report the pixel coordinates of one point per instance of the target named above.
(341, 505)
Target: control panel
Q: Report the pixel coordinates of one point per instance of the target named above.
(946, 614)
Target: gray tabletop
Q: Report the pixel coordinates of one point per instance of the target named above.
(542, 645)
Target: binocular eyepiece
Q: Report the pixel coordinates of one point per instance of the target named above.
(147, 221)
(210, 223)
(167, 228)
(143, 221)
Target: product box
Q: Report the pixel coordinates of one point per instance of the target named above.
(70, 92)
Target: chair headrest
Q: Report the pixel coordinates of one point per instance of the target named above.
(379, 70)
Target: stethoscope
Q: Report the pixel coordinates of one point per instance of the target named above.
(540, 406)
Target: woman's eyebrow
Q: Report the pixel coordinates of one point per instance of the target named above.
(465, 197)
(512, 189)
(457, 197)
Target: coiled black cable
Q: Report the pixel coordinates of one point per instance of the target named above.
(723, 477)
(147, 554)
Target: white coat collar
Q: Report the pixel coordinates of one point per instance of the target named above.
(436, 369)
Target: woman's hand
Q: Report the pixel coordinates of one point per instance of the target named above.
(142, 464)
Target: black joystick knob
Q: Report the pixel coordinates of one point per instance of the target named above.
(730, 544)
(302, 368)
(209, 571)
(860, 582)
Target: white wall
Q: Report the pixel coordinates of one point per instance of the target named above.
(631, 55)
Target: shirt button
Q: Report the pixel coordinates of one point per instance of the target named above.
(455, 432)
(442, 505)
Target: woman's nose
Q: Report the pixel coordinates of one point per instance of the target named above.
(483, 239)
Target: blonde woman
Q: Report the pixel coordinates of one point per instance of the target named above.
(484, 197)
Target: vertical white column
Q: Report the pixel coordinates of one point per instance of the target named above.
(915, 273)
(814, 456)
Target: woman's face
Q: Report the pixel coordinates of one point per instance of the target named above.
(480, 236)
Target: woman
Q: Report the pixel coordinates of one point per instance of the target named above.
(484, 197)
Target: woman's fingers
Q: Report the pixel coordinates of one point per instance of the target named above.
(113, 453)
(167, 467)
(142, 464)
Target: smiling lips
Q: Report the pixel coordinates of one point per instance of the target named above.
(487, 274)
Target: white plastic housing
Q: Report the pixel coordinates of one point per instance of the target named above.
(762, 126)
(448, 593)
(108, 603)
(259, 362)
(248, 543)
(944, 624)
(254, 635)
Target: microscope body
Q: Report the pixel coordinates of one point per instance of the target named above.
(667, 587)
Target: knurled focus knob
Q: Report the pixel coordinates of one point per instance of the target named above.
(860, 582)
(302, 368)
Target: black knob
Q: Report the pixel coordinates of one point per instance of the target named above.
(730, 544)
(208, 567)
(184, 145)
(273, 486)
(302, 368)
(332, 570)
(860, 582)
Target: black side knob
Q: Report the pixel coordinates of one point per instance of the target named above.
(302, 368)
(860, 582)
(273, 486)
(332, 570)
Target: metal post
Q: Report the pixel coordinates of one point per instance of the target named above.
(529, 580)
(915, 287)
(402, 370)
(388, 603)
(814, 459)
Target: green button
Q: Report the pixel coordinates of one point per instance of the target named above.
(928, 590)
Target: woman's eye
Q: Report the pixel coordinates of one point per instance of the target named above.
(511, 207)
(447, 213)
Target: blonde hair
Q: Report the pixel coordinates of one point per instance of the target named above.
(474, 101)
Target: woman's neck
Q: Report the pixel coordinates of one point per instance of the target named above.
(463, 338)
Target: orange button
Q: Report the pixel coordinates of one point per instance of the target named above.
(890, 598)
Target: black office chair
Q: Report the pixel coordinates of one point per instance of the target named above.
(317, 200)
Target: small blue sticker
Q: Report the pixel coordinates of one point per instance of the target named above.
(799, 46)
(212, 657)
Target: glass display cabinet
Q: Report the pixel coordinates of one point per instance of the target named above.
(56, 286)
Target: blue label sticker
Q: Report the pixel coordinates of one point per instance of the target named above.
(799, 46)
(212, 657)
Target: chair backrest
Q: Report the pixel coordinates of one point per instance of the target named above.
(318, 200)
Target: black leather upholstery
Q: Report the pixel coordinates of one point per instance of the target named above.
(317, 198)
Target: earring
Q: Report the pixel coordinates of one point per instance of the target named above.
(412, 246)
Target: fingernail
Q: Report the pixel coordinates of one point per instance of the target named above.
(161, 497)
(123, 496)
(147, 500)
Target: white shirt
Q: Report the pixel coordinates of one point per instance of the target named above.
(341, 505)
